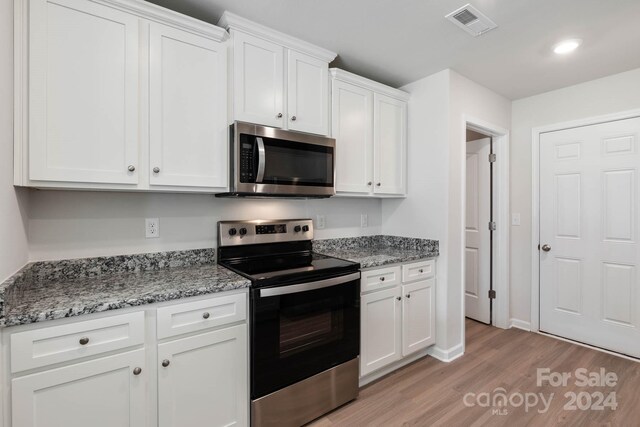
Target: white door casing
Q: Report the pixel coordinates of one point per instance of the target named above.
(258, 81)
(352, 128)
(478, 245)
(83, 128)
(589, 284)
(307, 94)
(188, 125)
(389, 144)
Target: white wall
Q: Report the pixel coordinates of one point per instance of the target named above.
(610, 94)
(424, 212)
(13, 204)
(66, 224)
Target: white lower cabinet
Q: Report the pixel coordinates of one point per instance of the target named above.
(105, 392)
(397, 321)
(202, 379)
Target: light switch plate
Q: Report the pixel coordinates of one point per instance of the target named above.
(515, 219)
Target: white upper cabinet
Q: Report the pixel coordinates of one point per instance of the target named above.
(369, 123)
(108, 91)
(308, 94)
(277, 80)
(352, 127)
(83, 93)
(187, 110)
(390, 145)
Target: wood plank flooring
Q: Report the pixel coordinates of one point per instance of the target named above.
(430, 393)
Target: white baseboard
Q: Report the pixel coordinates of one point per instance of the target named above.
(520, 324)
(448, 355)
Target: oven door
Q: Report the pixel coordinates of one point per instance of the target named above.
(300, 330)
(278, 162)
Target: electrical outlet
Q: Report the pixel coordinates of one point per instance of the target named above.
(320, 222)
(152, 228)
(515, 219)
(364, 220)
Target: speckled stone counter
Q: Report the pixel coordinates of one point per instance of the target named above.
(376, 251)
(57, 289)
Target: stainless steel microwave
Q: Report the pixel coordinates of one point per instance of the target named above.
(270, 162)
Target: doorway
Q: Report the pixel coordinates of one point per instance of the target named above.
(479, 226)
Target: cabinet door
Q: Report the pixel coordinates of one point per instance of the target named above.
(308, 94)
(352, 127)
(83, 93)
(188, 117)
(380, 324)
(390, 145)
(205, 380)
(418, 316)
(258, 81)
(99, 393)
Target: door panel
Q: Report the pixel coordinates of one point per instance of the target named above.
(390, 145)
(352, 127)
(258, 81)
(188, 129)
(418, 316)
(381, 329)
(589, 289)
(478, 246)
(308, 94)
(83, 93)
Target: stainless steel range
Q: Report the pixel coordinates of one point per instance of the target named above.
(305, 320)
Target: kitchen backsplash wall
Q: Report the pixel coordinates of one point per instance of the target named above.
(68, 224)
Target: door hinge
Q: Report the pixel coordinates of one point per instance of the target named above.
(492, 226)
(492, 294)
(492, 158)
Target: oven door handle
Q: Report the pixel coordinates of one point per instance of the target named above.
(261, 160)
(303, 287)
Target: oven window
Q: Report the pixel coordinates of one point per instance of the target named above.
(309, 325)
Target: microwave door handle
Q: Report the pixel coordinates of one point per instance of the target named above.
(303, 287)
(261, 160)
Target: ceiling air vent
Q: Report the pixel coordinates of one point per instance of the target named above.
(471, 20)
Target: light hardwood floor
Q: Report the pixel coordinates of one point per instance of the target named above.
(429, 392)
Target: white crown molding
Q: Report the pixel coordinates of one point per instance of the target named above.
(230, 21)
(345, 76)
(168, 17)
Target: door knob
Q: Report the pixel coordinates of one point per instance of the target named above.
(546, 248)
(137, 371)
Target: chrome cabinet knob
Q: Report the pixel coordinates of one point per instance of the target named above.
(137, 371)
(279, 116)
(156, 170)
(378, 184)
(421, 271)
(546, 248)
(294, 118)
(369, 183)
(408, 295)
(205, 315)
(84, 341)
(165, 363)
(382, 279)
(399, 298)
(131, 168)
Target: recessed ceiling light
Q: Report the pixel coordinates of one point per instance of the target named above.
(567, 46)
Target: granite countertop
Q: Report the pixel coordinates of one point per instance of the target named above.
(58, 289)
(376, 251)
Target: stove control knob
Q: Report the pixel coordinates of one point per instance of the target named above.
(305, 228)
(297, 228)
(232, 232)
(243, 231)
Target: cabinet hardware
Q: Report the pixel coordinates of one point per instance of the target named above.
(156, 170)
(279, 116)
(205, 315)
(408, 295)
(382, 279)
(369, 183)
(165, 363)
(378, 184)
(294, 118)
(84, 341)
(399, 298)
(421, 271)
(137, 371)
(131, 168)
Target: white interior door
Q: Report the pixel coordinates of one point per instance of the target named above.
(478, 247)
(589, 288)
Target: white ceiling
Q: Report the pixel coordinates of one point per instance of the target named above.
(400, 41)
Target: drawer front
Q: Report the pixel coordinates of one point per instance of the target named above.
(198, 315)
(418, 270)
(57, 344)
(380, 278)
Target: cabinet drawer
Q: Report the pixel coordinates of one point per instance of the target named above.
(418, 270)
(380, 278)
(57, 344)
(198, 315)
